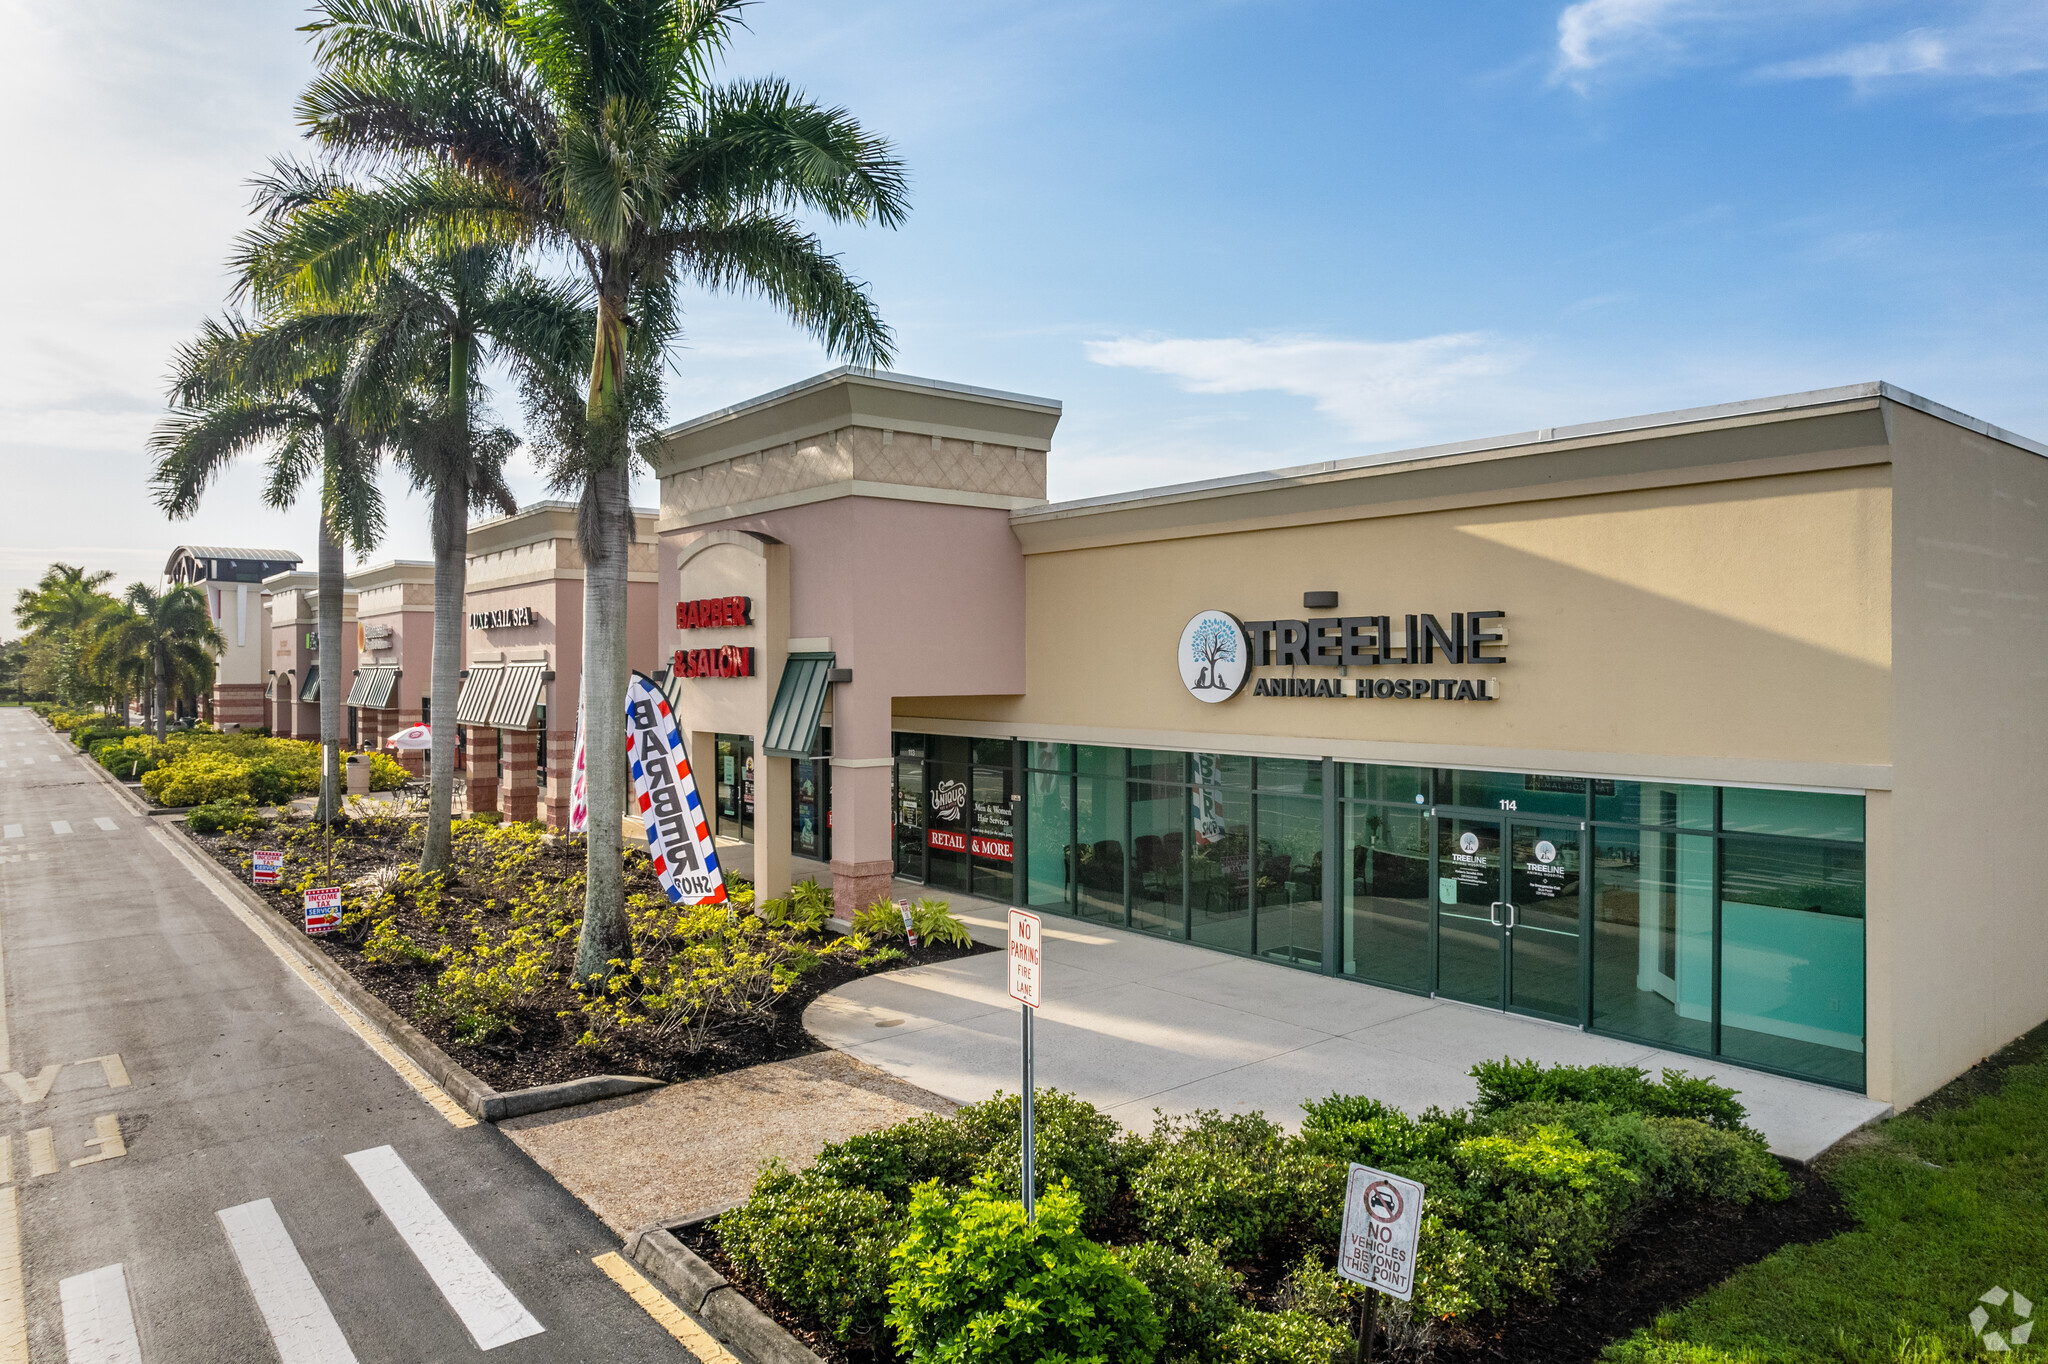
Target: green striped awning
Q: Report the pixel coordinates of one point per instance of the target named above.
(799, 707)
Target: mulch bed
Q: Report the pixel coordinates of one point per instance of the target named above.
(541, 1049)
(1673, 1257)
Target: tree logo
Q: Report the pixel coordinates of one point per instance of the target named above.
(2017, 1319)
(1215, 656)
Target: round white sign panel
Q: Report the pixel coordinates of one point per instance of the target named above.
(1469, 842)
(1215, 656)
(1546, 851)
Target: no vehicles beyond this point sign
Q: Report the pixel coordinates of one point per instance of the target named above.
(1024, 957)
(1382, 1216)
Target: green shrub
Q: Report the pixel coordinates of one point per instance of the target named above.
(974, 1283)
(806, 907)
(198, 779)
(1194, 1293)
(1236, 1182)
(386, 772)
(895, 1159)
(1706, 1162)
(880, 920)
(821, 1247)
(1550, 1194)
(225, 816)
(487, 816)
(279, 781)
(1351, 1127)
(1284, 1338)
(1077, 1143)
(1625, 1089)
(933, 919)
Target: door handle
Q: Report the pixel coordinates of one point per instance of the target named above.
(1493, 914)
(1510, 907)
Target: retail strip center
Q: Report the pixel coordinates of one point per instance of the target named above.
(1718, 730)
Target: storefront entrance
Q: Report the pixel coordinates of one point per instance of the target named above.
(1507, 928)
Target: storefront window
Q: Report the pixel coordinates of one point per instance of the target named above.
(1158, 855)
(1153, 764)
(1405, 785)
(1289, 878)
(992, 752)
(1792, 957)
(1219, 860)
(1049, 814)
(735, 797)
(1666, 803)
(1049, 757)
(1513, 792)
(949, 794)
(1099, 829)
(1653, 936)
(1386, 895)
(1795, 814)
(992, 844)
(1303, 776)
(910, 818)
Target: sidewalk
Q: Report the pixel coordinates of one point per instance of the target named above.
(1133, 1023)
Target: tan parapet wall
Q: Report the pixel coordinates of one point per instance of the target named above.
(1739, 621)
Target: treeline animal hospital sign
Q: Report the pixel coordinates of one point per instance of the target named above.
(1218, 652)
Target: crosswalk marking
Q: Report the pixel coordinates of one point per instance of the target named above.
(301, 1326)
(105, 823)
(13, 1306)
(494, 1317)
(99, 1327)
(60, 826)
(14, 831)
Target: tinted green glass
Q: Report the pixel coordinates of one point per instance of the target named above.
(1792, 958)
(1370, 781)
(1158, 764)
(950, 748)
(1041, 757)
(1049, 840)
(1799, 814)
(1099, 847)
(1665, 803)
(1220, 769)
(1543, 939)
(1300, 776)
(1288, 878)
(949, 792)
(910, 819)
(1219, 859)
(1512, 792)
(993, 752)
(1386, 895)
(1468, 922)
(1159, 817)
(1098, 762)
(909, 745)
(993, 842)
(1653, 936)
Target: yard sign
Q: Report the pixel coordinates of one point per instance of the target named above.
(678, 839)
(323, 909)
(1024, 957)
(264, 867)
(1382, 1214)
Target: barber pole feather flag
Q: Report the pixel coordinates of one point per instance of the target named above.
(678, 837)
(579, 781)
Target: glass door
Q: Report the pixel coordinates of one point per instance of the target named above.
(1542, 921)
(1471, 927)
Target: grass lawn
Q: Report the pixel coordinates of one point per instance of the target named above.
(1952, 1197)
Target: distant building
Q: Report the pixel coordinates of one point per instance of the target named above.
(292, 671)
(232, 580)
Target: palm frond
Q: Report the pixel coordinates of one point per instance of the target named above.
(775, 258)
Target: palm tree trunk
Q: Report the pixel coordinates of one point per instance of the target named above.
(327, 614)
(163, 693)
(607, 514)
(451, 574)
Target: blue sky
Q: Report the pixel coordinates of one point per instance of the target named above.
(1228, 235)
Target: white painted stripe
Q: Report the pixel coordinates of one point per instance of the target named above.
(301, 1327)
(105, 823)
(14, 831)
(98, 1326)
(13, 1307)
(60, 826)
(494, 1317)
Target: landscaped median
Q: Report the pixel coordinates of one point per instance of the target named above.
(481, 959)
(203, 766)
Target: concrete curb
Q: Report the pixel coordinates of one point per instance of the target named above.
(720, 1308)
(476, 1097)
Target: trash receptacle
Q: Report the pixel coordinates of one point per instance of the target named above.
(358, 775)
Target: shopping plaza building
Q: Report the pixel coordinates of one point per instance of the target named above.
(1717, 729)
(1720, 730)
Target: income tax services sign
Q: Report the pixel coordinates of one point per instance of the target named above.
(1382, 1216)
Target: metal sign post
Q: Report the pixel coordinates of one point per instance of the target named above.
(1025, 962)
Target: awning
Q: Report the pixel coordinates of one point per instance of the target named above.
(799, 707)
(479, 691)
(372, 689)
(518, 694)
(310, 691)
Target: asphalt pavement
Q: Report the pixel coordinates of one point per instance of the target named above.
(205, 1163)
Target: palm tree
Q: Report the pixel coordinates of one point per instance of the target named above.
(63, 610)
(593, 128)
(162, 641)
(281, 387)
(427, 323)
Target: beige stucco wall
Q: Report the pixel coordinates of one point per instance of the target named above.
(1959, 963)
(1737, 630)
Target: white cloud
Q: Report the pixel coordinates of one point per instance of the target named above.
(1595, 32)
(1997, 40)
(1378, 390)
